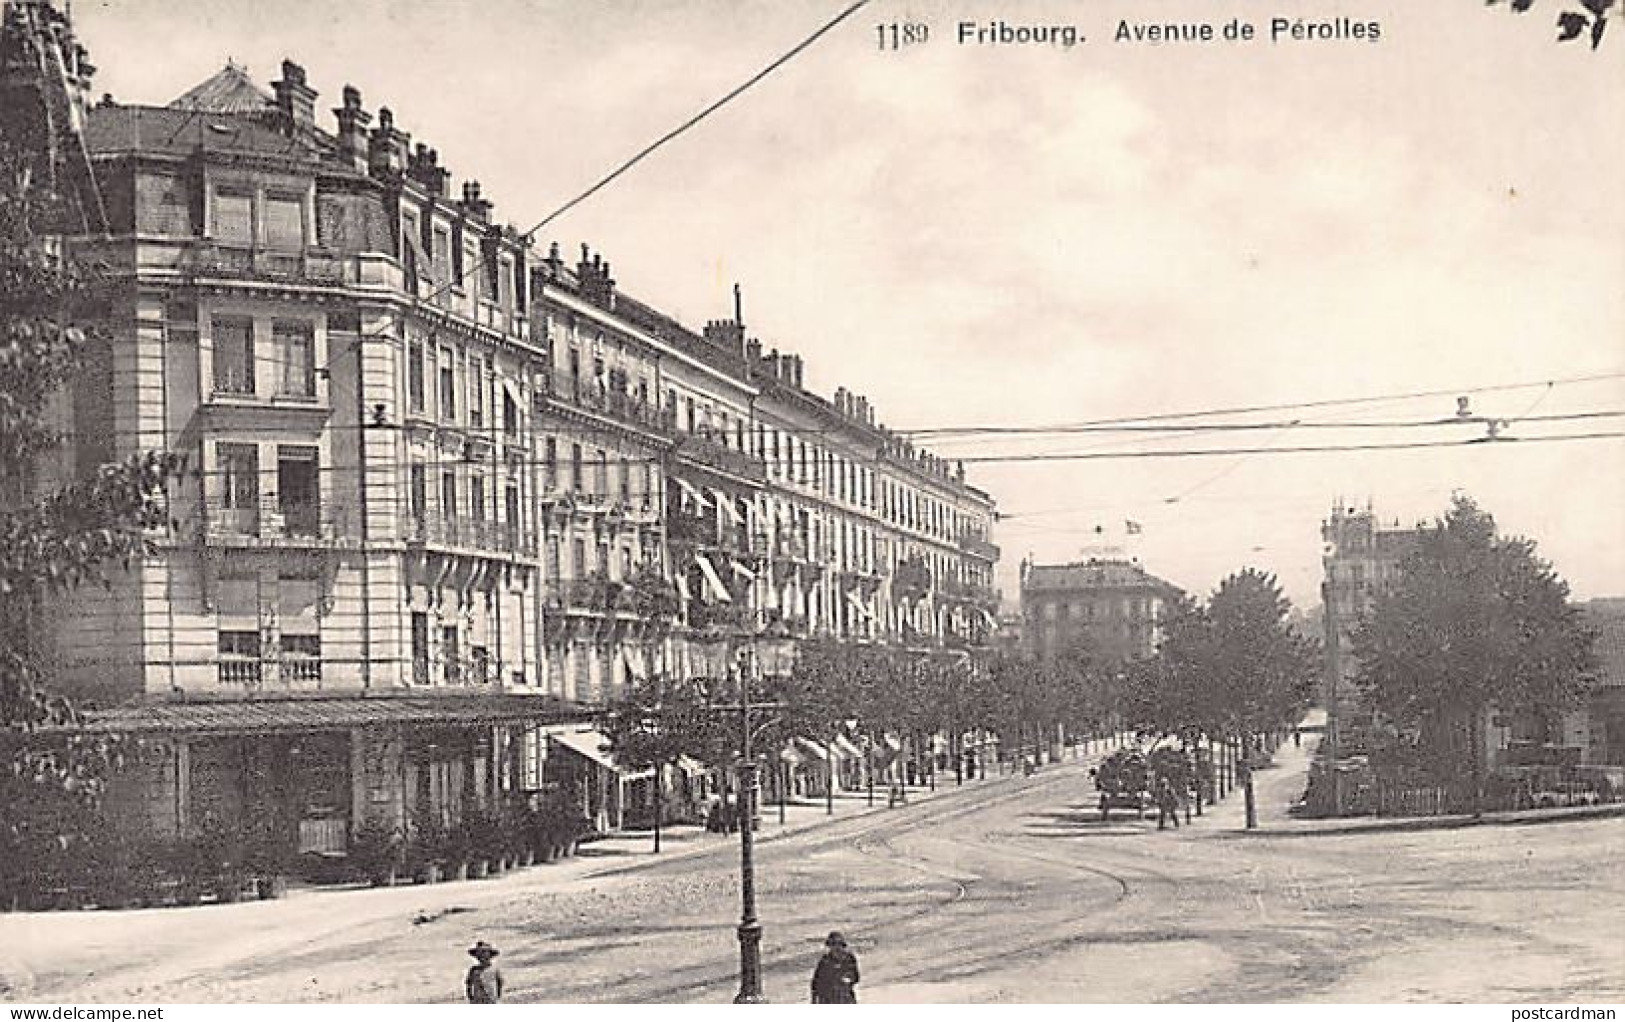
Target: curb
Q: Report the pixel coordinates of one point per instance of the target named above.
(1521, 818)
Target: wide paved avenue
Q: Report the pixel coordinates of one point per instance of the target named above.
(1008, 889)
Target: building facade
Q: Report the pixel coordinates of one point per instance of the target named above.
(445, 496)
(1111, 606)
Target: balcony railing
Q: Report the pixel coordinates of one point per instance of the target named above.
(244, 672)
(307, 267)
(702, 451)
(976, 546)
(466, 532)
(614, 404)
(296, 523)
(721, 617)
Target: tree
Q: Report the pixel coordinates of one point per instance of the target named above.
(52, 538)
(654, 727)
(819, 696)
(1231, 669)
(1475, 621)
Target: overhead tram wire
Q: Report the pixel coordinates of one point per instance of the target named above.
(1233, 451)
(1254, 409)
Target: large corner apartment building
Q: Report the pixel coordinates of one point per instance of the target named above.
(445, 491)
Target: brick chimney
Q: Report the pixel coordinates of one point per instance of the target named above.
(295, 100)
(387, 147)
(597, 286)
(353, 123)
(424, 168)
(473, 205)
(726, 334)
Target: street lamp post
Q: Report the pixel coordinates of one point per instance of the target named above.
(750, 929)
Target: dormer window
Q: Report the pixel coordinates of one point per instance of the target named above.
(234, 218)
(284, 223)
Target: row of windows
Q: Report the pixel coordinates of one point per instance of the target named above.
(242, 365)
(458, 372)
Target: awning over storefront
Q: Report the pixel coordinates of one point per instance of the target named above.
(844, 747)
(809, 748)
(712, 579)
(595, 746)
(691, 766)
(263, 716)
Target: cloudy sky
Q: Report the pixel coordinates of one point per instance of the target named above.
(1034, 235)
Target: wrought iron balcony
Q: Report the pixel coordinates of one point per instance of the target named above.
(976, 546)
(208, 258)
(699, 450)
(467, 533)
(587, 395)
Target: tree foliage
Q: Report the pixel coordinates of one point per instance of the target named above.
(1475, 620)
(50, 312)
(1581, 19)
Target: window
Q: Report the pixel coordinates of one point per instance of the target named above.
(575, 468)
(448, 494)
(233, 340)
(511, 513)
(240, 657)
(476, 395)
(239, 485)
(420, 648)
(418, 492)
(578, 558)
(626, 482)
(505, 284)
(553, 557)
(550, 463)
(233, 218)
(451, 656)
(414, 376)
(298, 492)
(600, 481)
(294, 345)
(510, 413)
(442, 252)
(448, 385)
(476, 497)
(284, 223)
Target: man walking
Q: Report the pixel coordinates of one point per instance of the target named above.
(483, 984)
(1167, 804)
(835, 980)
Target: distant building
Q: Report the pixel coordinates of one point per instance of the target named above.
(1361, 558)
(1114, 605)
(1605, 709)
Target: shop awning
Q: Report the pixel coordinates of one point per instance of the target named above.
(265, 716)
(712, 579)
(810, 748)
(844, 747)
(691, 766)
(595, 746)
(591, 744)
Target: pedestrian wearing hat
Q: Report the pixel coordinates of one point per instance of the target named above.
(484, 980)
(835, 981)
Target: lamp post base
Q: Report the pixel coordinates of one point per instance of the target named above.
(750, 964)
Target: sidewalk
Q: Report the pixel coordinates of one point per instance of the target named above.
(1277, 788)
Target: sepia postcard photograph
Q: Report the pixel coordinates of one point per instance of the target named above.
(909, 502)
